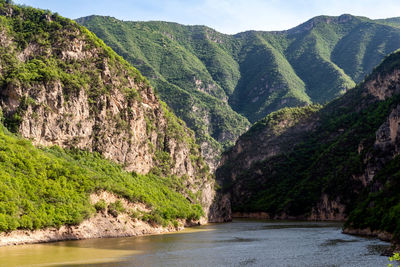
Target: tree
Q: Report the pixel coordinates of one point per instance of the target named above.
(395, 257)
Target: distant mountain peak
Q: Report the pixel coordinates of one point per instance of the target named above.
(311, 23)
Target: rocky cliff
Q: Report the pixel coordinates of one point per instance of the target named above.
(325, 165)
(60, 85)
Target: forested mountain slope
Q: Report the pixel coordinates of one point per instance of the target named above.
(332, 163)
(209, 78)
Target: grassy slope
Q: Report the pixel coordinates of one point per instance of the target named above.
(364, 47)
(259, 72)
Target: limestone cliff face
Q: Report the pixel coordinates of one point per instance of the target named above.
(383, 86)
(387, 140)
(388, 134)
(65, 87)
(385, 148)
(328, 209)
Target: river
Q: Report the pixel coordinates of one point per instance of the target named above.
(240, 243)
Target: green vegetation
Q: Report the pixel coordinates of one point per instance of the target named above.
(277, 121)
(61, 53)
(41, 187)
(116, 208)
(195, 68)
(391, 21)
(395, 257)
(51, 186)
(322, 163)
(177, 66)
(326, 161)
(35, 32)
(380, 210)
(101, 205)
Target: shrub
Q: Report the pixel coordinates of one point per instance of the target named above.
(134, 214)
(100, 205)
(116, 208)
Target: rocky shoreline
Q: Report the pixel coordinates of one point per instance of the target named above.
(382, 235)
(101, 225)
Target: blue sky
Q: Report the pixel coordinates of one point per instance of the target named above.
(227, 16)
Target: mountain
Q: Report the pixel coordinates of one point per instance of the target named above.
(391, 21)
(211, 80)
(98, 129)
(177, 61)
(336, 162)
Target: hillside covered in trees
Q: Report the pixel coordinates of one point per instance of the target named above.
(218, 83)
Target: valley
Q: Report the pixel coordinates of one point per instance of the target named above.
(112, 128)
(218, 83)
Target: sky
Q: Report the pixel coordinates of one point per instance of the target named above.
(226, 16)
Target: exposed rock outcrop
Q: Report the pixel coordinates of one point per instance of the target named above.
(220, 210)
(126, 129)
(62, 86)
(328, 210)
(385, 236)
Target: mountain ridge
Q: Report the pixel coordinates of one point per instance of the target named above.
(250, 74)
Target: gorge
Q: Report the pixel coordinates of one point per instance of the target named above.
(300, 124)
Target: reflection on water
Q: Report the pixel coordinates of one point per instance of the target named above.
(240, 239)
(378, 249)
(334, 242)
(286, 225)
(241, 243)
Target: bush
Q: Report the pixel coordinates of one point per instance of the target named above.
(116, 208)
(100, 205)
(135, 214)
(395, 257)
(175, 223)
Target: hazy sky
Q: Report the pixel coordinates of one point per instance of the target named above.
(227, 16)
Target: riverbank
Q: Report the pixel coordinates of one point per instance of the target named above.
(284, 216)
(238, 243)
(102, 225)
(382, 235)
